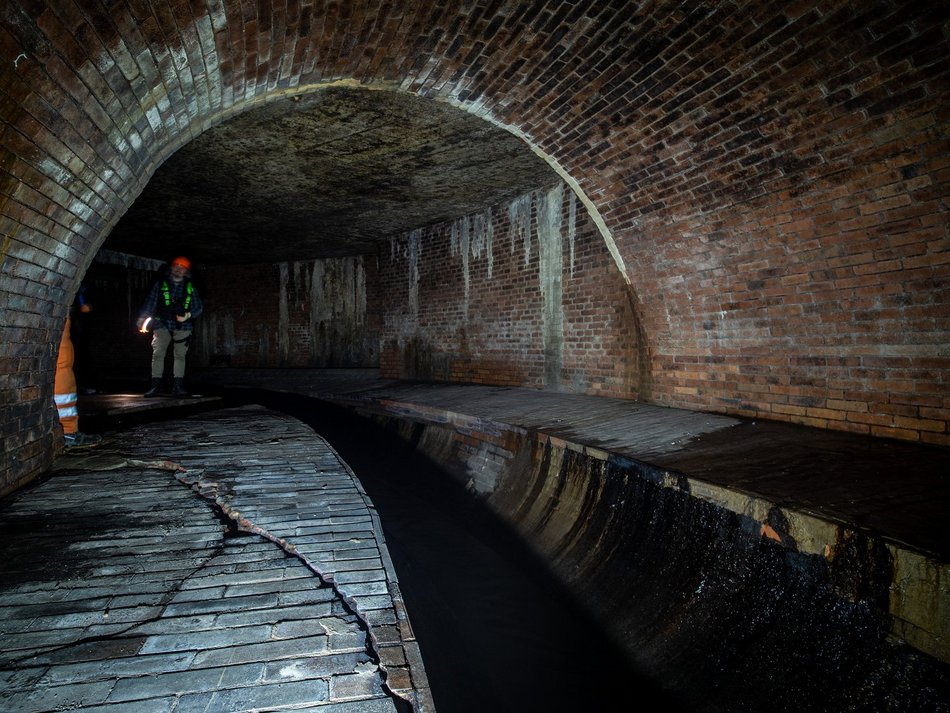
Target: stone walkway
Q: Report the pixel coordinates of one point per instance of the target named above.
(897, 490)
(227, 562)
(810, 488)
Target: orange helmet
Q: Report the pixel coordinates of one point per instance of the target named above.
(183, 262)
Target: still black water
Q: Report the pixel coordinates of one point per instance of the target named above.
(496, 631)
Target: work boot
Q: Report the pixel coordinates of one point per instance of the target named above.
(73, 441)
(156, 388)
(178, 387)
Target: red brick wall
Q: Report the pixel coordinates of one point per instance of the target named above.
(774, 175)
(817, 293)
(493, 332)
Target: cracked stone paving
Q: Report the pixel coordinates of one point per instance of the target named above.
(230, 562)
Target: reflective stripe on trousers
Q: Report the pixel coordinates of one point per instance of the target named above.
(66, 405)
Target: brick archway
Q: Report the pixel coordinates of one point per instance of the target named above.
(773, 177)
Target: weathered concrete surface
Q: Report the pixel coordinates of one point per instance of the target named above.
(230, 562)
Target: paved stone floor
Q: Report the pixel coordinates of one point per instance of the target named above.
(230, 562)
(210, 566)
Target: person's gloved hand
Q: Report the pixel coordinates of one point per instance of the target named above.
(183, 317)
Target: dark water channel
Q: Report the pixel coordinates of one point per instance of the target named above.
(497, 632)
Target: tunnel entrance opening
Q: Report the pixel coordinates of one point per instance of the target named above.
(496, 629)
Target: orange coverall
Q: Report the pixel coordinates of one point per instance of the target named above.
(64, 387)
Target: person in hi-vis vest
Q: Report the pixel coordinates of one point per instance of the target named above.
(169, 311)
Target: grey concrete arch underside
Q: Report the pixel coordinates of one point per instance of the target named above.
(278, 145)
(325, 171)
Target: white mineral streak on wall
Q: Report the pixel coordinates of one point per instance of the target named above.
(479, 108)
(464, 246)
(359, 286)
(477, 241)
(215, 337)
(572, 226)
(132, 262)
(320, 308)
(458, 243)
(354, 291)
(338, 291)
(413, 246)
(402, 324)
(472, 236)
(300, 286)
(550, 268)
(484, 238)
(283, 319)
(337, 302)
(519, 219)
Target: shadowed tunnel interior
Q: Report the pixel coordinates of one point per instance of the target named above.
(725, 210)
(329, 174)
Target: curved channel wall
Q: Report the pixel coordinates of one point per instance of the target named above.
(728, 608)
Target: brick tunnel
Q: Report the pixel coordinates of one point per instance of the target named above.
(725, 210)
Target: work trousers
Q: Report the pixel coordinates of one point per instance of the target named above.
(64, 385)
(161, 338)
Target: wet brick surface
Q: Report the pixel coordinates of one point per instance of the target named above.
(229, 562)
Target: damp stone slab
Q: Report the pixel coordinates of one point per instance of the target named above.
(162, 572)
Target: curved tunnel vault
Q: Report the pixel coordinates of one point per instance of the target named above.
(773, 176)
(364, 220)
(329, 171)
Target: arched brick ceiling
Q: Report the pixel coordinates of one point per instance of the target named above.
(771, 178)
(325, 174)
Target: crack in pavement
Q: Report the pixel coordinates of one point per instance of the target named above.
(294, 492)
(192, 478)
